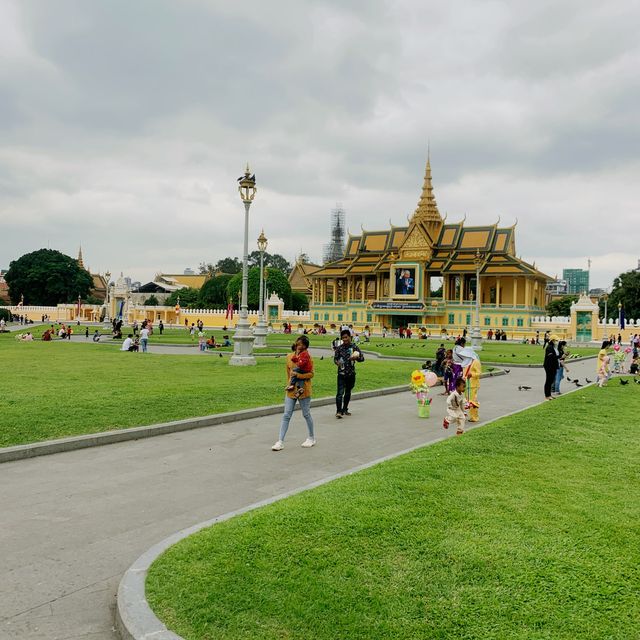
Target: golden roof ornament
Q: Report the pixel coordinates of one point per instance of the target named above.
(427, 208)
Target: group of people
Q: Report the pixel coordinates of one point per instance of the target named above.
(139, 339)
(498, 334)
(299, 371)
(608, 365)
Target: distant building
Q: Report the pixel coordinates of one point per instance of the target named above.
(597, 293)
(299, 276)
(577, 280)
(556, 288)
(189, 272)
(4, 288)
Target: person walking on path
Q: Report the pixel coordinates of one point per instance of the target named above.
(144, 338)
(551, 364)
(291, 397)
(603, 364)
(345, 357)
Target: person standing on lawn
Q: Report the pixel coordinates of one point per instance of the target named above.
(551, 365)
(345, 357)
(292, 396)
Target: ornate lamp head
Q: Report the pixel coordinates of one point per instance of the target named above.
(247, 186)
(262, 241)
(478, 259)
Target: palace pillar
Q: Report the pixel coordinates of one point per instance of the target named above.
(445, 288)
(498, 291)
(515, 291)
(461, 288)
(364, 287)
(527, 291)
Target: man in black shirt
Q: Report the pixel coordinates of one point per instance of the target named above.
(345, 357)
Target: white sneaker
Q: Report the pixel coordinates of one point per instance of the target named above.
(278, 446)
(309, 442)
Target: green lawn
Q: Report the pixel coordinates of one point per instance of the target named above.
(59, 388)
(492, 350)
(523, 529)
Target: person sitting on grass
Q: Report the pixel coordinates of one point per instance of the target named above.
(456, 403)
(211, 342)
(128, 344)
(227, 342)
(302, 361)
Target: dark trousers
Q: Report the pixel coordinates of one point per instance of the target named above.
(345, 385)
(549, 381)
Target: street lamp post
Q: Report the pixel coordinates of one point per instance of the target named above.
(260, 332)
(243, 337)
(107, 310)
(476, 335)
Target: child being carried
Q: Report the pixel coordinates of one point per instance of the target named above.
(302, 360)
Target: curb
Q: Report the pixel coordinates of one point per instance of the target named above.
(135, 619)
(25, 451)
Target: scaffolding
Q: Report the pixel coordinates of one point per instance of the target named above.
(334, 250)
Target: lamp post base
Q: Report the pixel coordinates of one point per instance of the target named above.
(243, 346)
(476, 339)
(260, 335)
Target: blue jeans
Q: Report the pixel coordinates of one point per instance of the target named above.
(559, 376)
(289, 405)
(143, 342)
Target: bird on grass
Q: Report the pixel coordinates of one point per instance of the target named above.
(513, 355)
(523, 388)
(637, 381)
(491, 368)
(220, 355)
(623, 381)
(321, 357)
(528, 356)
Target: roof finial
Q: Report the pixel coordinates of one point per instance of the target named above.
(80, 261)
(427, 208)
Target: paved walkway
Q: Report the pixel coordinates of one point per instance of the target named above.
(73, 522)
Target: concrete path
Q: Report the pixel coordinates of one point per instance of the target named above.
(73, 522)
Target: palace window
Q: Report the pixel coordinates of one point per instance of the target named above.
(468, 318)
(451, 318)
(520, 322)
(326, 317)
(315, 316)
(339, 317)
(368, 317)
(354, 316)
(487, 321)
(492, 295)
(505, 322)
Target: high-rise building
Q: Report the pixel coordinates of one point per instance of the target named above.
(577, 280)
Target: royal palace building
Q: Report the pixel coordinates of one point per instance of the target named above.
(392, 278)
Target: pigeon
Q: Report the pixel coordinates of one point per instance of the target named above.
(570, 380)
(220, 355)
(623, 381)
(513, 355)
(491, 368)
(507, 370)
(278, 356)
(321, 357)
(588, 381)
(637, 381)
(528, 356)
(523, 388)
(577, 383)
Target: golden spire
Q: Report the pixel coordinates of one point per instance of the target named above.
(80, 261)
(427, 208)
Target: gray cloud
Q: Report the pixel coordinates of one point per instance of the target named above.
(124, 125)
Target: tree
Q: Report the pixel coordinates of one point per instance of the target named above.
(299, 301)
(188, 298)
(276, 282)
(561, 307)
(213, 292)
(151, 301)
(228, 265)
(626, 290)
(270, 260)
(207, 269)
(47, 277)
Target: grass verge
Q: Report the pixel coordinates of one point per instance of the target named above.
(526, 528)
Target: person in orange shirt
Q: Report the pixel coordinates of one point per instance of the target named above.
(292, 396)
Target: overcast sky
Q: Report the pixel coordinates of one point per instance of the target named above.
(124, 125)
